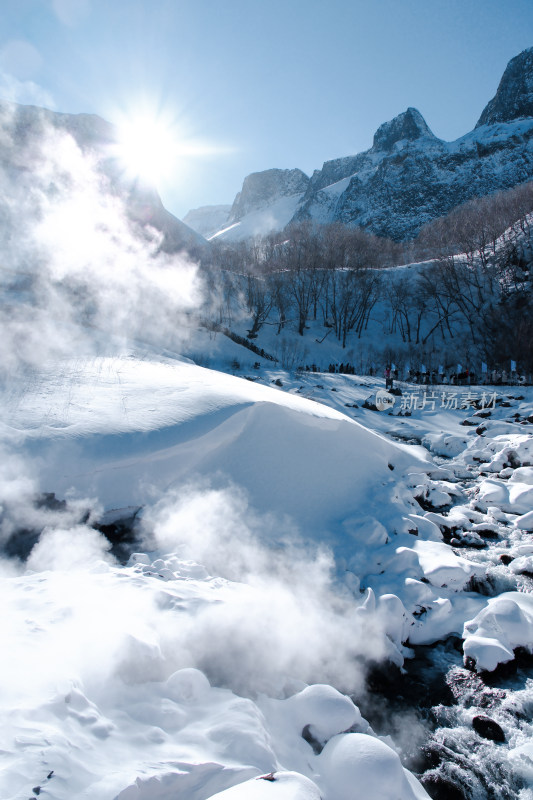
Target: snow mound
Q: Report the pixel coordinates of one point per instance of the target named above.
(513, 497)
(503, 625)
(324, 709)
(125, 431)
(358, 765)
(275, 786)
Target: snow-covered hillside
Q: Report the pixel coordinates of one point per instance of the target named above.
(260, 222)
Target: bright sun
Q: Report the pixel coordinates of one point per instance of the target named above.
(147, 148)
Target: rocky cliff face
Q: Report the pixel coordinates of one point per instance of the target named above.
(409, 176)
(395, 192)
(261, 188)
(407, 127)
(514, 98)
(26, 132)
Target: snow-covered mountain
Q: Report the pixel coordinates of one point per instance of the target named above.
(26, 132)
(267, 202)
(207, 220)
(409, 176)
(260, 189)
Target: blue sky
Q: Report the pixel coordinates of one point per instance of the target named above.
(261, 84)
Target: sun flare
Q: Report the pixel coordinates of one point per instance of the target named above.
(147, 148)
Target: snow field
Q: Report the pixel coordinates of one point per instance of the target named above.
(284, 547)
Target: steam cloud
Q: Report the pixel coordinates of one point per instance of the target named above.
(291, 618)
(286, 621)
(76, 272)
(78, 278)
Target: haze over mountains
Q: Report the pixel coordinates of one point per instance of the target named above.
(406, 179)
(26, 132)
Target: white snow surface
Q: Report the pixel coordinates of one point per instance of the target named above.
(283, 547)
(123, 429)
(503, 625)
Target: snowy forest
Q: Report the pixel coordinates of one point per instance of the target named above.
(467, 293)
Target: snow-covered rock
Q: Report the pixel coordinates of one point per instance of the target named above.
(495, 632)
(513, 497)
(525, 521)
(359, 765)
(324, 710)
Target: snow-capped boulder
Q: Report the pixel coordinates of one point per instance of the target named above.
(505, 623)
(326, 711)
(358, 765)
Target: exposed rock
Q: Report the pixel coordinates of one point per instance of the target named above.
(261, 188)
(120, 528)
(312, 740)
(514, 97)
(488, 728)
(408, 126)
(410, 181)
(440, 788)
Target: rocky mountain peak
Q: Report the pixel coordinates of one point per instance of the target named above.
(261, 188)
(408, 126)
(514, 97)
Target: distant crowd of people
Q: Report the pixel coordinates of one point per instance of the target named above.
(342, 369)
(465, 377)
(339, 369)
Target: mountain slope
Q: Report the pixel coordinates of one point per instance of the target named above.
(267, 202)
(514, 98)
(207, 220)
